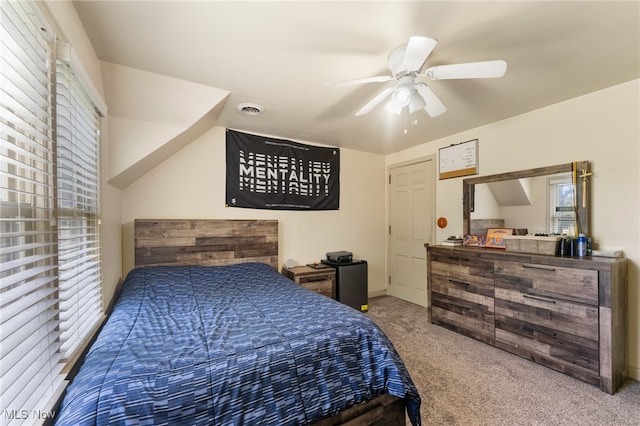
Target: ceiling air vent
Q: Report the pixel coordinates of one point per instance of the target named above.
(250, 109)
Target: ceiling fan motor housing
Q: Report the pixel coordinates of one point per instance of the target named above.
(402, 94)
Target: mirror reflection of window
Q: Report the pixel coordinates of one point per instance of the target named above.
(561, 216)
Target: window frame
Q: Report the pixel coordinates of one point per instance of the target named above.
(561, 208)
(77, 209)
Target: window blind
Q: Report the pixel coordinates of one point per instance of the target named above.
(29, 335)
(77, 142)
(561, 206)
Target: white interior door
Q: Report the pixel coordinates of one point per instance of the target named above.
(411, 219)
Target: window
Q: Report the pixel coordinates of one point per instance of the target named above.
(77, 210)
(50, 284)
(562, 207)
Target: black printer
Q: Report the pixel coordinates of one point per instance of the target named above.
(340, 256)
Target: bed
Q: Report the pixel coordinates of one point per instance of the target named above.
(206, 331)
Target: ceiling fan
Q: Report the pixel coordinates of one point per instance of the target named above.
(405, 63)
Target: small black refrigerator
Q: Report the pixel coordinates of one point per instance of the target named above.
(352, 283)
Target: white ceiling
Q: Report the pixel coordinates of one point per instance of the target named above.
(281, 54)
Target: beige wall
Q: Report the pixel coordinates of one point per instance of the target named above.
(603, 128)
(191, 184)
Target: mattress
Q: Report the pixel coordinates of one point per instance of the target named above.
(238, 344)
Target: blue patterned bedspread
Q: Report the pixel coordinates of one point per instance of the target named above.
(231, 345)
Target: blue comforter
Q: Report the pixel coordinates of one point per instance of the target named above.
(237, 344)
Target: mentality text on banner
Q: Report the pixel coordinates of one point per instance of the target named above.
(279, 174)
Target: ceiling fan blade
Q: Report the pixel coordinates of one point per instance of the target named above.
(486, 69)
(434, 106)
(418, 49)
(375, 101)
(378, 79)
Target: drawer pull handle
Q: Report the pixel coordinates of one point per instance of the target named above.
(531, 329)
(538, 267)
(458, 282)
(540, 298)
(464, 259)
(464, 308)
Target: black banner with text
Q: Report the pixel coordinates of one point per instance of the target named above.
(267, 173)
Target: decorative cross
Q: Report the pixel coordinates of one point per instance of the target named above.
(584, 176)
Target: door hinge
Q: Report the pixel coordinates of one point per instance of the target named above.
(389, 229)
(389, 279)
(389, 179)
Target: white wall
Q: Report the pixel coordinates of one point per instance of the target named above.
(601, 127)
(191, 185)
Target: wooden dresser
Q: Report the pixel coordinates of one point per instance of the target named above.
(320, 280)
(566, 313)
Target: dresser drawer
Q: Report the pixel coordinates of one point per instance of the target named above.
(324, 287)
(461, 289)
(467, 313)
(579, 285)
(548, 314)
(560, 334)
(321, 280)
(462, 267)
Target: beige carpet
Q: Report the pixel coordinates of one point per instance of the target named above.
(465, 382)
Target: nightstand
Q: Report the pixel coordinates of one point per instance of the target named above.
(320, 280)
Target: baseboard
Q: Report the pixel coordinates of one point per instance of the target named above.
(377, 293)
(634, 373)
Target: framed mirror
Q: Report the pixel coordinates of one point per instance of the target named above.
(550, 200)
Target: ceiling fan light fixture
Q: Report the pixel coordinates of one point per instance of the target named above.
(250, 109)
(401, 96)
(393, 108)
(417, 103)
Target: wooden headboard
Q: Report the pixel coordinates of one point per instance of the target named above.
(207, 242)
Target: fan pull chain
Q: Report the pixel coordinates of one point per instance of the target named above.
(405, 121)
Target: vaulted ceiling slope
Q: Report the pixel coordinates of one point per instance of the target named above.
(281, 54)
